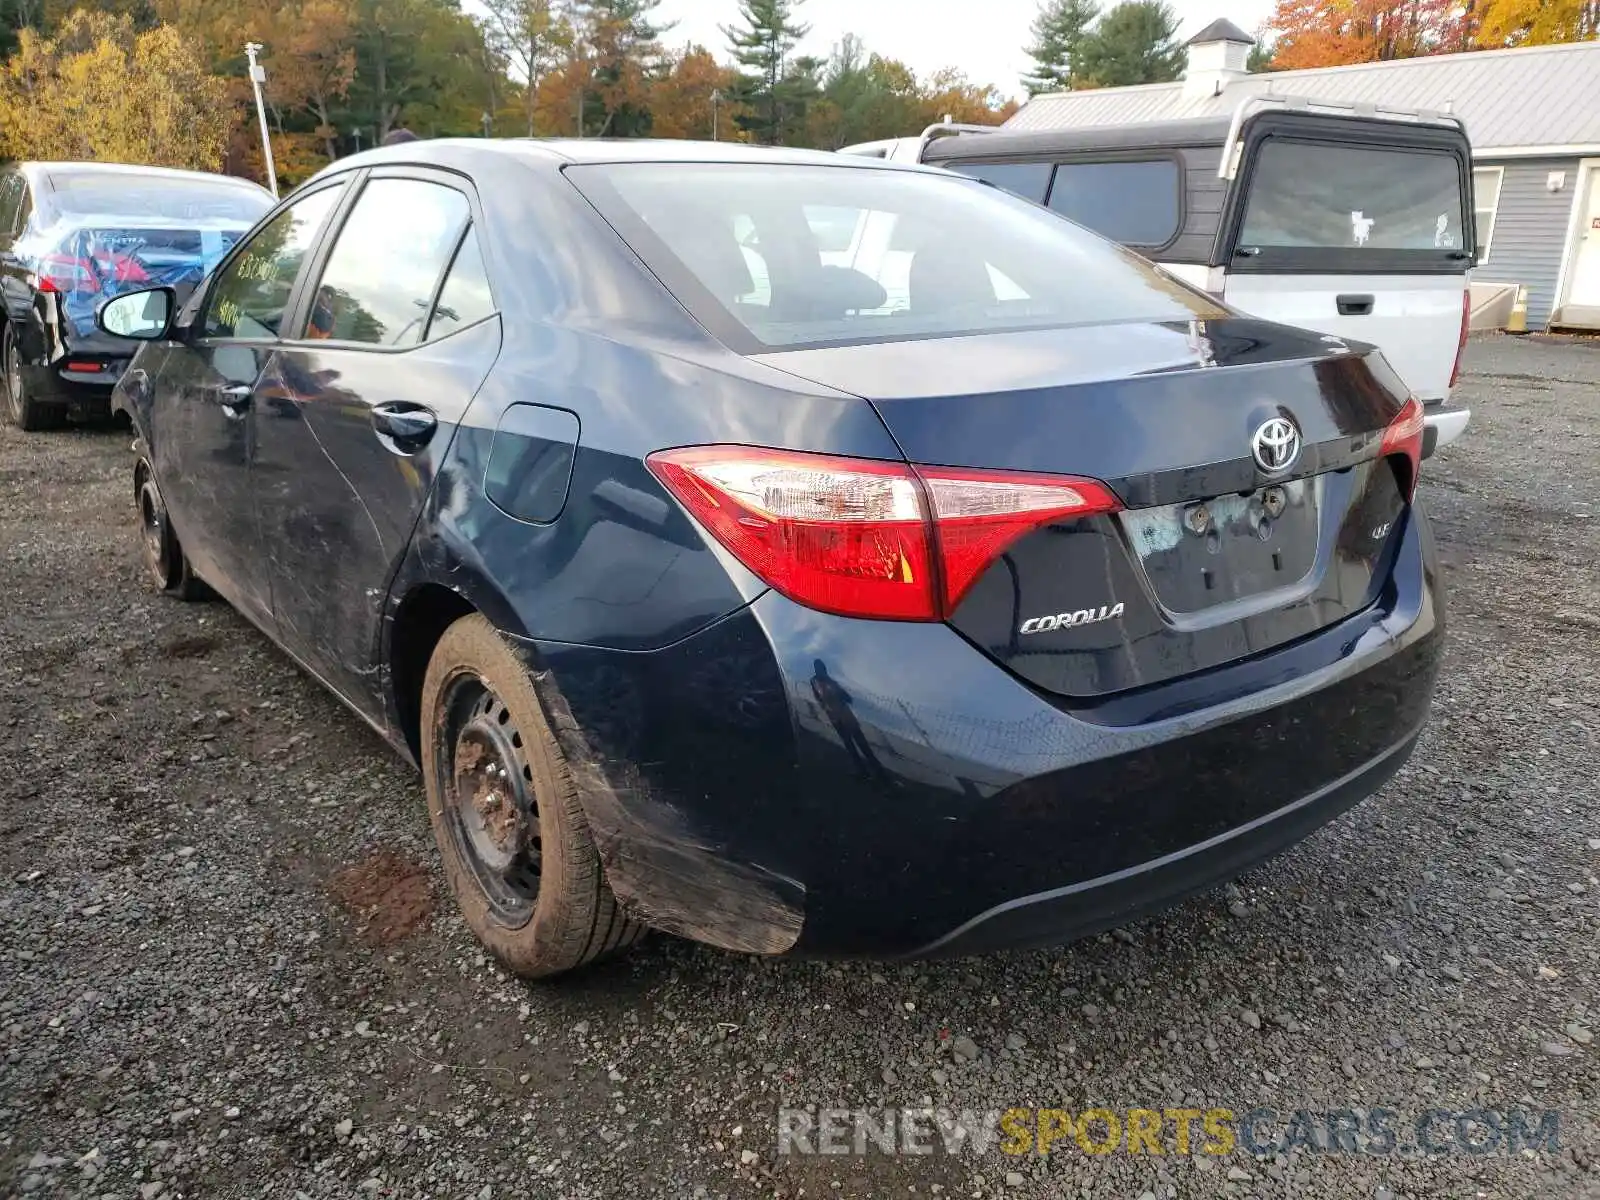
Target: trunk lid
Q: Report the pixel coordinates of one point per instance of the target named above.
(1213, 558)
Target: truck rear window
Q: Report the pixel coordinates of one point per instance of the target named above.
(1322, 201)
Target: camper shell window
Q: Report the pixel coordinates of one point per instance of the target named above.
(1320, 200)
(1135, 202)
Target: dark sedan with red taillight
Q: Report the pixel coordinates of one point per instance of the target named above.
(794, 553)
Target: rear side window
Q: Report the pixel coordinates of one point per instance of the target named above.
(465, 297)
(745, 248)
(1135, 203)
(384, 271)
(1030, 180)
(1326, 203)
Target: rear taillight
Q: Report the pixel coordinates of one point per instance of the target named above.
(1404, 437)
(861, 537)
(63, 273)
(1461, 342)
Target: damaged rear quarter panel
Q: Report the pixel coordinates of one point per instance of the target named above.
(677, 756)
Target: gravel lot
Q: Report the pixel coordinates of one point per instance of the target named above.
(229, 968)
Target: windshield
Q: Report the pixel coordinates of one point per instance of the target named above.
(771, 255)
(127, 195)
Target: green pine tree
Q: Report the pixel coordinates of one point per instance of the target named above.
(623, 43)
(1135, 42)
(1058, 33)
(767, 87)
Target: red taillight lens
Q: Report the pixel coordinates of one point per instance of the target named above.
(977, 514)
(63, 273)
(865, 538)
(1404, 436)
(1461, 342)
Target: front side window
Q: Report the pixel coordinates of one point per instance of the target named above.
(1329, 201)
(743, 248)
(248, 298)
(381, 277)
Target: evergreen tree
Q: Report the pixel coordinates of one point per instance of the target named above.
(1135, 42)
(1058, 34)
(622, 44)
(767, 87)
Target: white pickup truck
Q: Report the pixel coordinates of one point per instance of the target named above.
(1355, 222)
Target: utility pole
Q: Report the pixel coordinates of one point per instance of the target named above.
(716, 99)
(258, 76)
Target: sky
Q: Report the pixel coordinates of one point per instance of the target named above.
(929, 34)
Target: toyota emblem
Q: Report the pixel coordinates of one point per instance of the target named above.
(1276, 445)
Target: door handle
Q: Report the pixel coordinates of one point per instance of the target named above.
(408, 426)
(235, 399)
(1354, 306)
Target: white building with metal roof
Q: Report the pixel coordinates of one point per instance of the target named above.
(1533, 115)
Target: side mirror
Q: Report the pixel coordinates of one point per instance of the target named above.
(144, 316)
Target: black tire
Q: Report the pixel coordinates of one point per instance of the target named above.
(163, 557)
(516, 847)
(25, 412)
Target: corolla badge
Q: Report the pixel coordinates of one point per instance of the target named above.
(1275, 445)
(1066, 620)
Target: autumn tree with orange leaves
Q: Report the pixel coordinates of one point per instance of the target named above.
(1329, 33)
(340, 74)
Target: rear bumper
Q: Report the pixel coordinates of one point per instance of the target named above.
(1443, 426)
(791, 781)
(1081, 909)
(80, 393)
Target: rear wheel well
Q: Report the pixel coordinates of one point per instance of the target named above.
(424, 615)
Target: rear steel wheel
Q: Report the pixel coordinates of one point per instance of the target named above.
(512, 834)
(25, 412)
(492, 813)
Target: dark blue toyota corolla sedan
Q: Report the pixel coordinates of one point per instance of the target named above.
(790, 552)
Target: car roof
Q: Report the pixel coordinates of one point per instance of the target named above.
(469, 154)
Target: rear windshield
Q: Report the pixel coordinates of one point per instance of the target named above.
(773, 256)
(157, 196)
(1330, 201)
